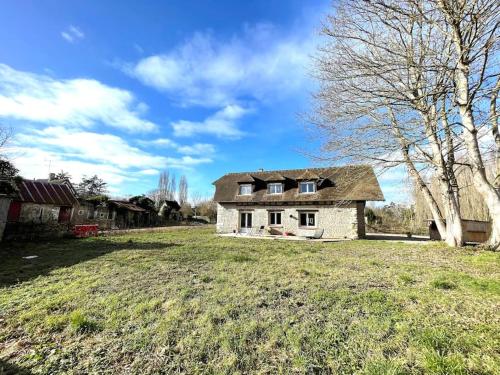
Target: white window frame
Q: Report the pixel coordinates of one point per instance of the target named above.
(308, 225)
(274, 184)
(245, 185)
(275, 213)
(308, 183)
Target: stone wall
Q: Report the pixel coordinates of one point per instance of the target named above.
(38, 213)
(337, 221)
(4, 210)
(360, 206)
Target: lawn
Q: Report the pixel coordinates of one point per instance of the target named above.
(186, 301)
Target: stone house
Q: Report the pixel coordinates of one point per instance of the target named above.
(297, 202)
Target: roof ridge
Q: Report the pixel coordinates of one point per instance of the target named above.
(298, 169)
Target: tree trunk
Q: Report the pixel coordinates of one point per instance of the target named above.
(488, 192)
(454, 233)
(490, 195)
(495, 132)
(419, 182)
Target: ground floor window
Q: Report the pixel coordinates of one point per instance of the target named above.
(275, 218)
(245, 220)
(307, 219)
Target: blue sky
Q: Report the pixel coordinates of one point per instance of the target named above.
(127, 89)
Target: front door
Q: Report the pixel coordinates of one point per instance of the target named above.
(245, 222)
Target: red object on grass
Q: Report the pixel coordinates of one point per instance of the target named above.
(86, 230)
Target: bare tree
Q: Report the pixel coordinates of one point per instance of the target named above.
(161, 193)
(382, 97)
(172, 188)
(7, 168)
(473, 26)
(5, 135)
(167, 188)
(183, 190)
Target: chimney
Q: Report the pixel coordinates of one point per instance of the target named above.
(52, 176)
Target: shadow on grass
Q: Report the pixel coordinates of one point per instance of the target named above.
(14, 268)
(7, 368)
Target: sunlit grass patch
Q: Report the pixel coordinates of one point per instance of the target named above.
(443, 283)
(186, 301)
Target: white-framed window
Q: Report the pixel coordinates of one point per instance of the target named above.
(275, 218)
(307, 187)
(307, 219)
(275, 188)
(245, 189)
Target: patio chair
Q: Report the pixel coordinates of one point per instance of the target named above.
(312, 233)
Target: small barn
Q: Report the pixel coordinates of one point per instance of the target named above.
(90, 212)
(126, 214)
(39, 208)
(170, 210)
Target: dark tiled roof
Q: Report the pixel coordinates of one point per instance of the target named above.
(308, 175)
(44, 192)
(275, 176)
(173, 204)
(356, 183)
(126, 205)
(245, 178)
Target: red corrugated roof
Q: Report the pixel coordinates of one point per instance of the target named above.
(44, 192)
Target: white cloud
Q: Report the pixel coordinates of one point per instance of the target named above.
(72, 34)
(194, 149)
(86, 153)
(197, 149)
(74, 102)
(258, 64)
(222, 124)
(97, 147)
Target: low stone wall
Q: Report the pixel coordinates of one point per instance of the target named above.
(337, 221)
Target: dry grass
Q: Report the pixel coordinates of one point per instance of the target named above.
(187, 301)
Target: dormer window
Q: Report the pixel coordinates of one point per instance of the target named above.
(275, 188)
(307, 187)
(245, 189)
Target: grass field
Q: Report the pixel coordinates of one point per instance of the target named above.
(187, 301)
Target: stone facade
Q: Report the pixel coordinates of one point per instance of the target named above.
(38, 213)
(344, 220)
(4, 209)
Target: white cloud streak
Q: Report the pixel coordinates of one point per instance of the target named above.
(222, 124)
(74, 102)
(258, 64)
(73, 34)
(206, 149)
(85, 153)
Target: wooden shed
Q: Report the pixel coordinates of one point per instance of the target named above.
(475, 231)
